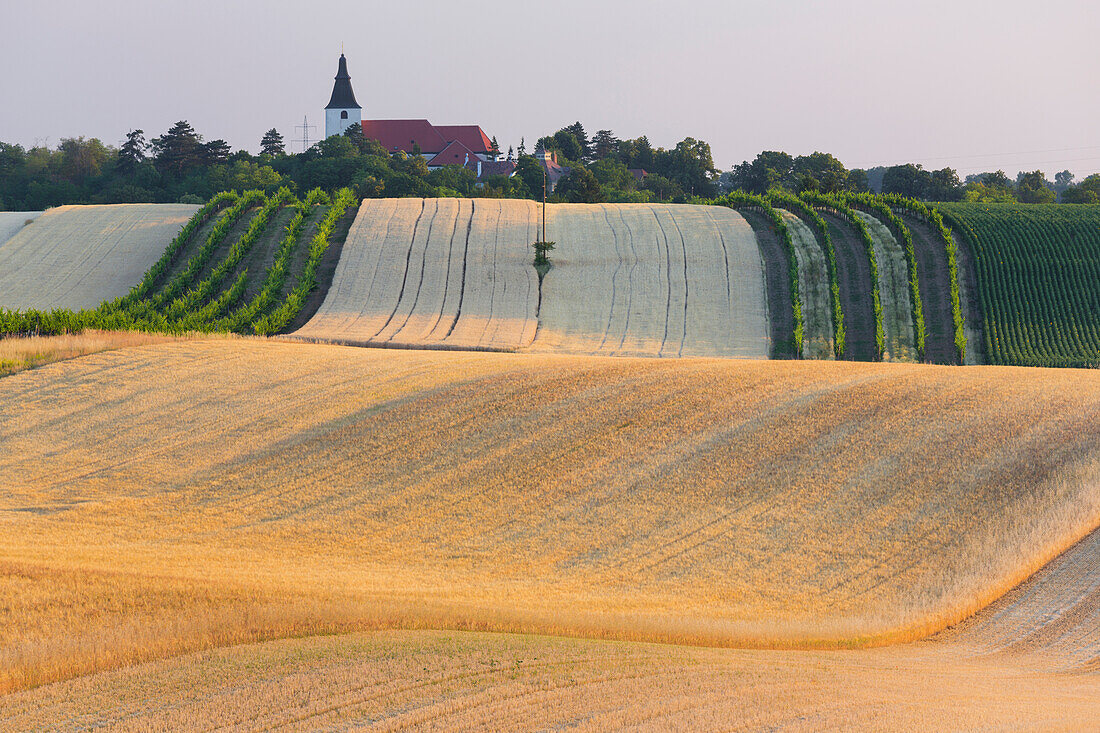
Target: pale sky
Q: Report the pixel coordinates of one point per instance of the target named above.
(975, 85)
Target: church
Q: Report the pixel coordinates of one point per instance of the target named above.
(440, 145)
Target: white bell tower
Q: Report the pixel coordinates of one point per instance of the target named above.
(342, 110)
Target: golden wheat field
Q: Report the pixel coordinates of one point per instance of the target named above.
(176, 497)
(78, 256)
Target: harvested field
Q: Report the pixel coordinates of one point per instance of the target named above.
(19, 353)
(434, 273)
(653, 280)
(431, 680)
(650, 280)
(173, 497)
(78, 256)
(813, 285)
(11, 222)
(897, 308)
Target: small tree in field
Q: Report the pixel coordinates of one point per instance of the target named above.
(541, 248)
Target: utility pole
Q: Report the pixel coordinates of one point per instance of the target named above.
(544, 200)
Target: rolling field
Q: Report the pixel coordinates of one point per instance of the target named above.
(172, 497)
(439, 273)
(78, 256)
(11, 222)
(627, 280)
(1038, 280)
(653, 280)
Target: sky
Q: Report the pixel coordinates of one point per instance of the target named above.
(974, 85)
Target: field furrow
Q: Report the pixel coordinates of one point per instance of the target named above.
(897, 309)
(813, 286)
(78, 256)
(653, 280)
(235, 489)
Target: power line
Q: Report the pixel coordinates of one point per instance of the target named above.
(997, 155)
(305, 127)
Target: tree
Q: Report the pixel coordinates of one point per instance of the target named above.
(577, 131)
(82, 159)
(769, 170)
(944, 185)
(1032, 188)
(178, 150)
(663, 188)
(272, 143)
(132, 152)
(604, 145)
(857, 181)
(820, 172)
(494, 149)
(522, 149)
(579, 186)
(511, 153)
(215, 152)
(529, 170)
(691, 165)
(1086, 192)
(907, 180)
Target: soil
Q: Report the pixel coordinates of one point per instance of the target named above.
(780, 312)
(262, 255)
(935, 292)
(327, 267)
(853, 271)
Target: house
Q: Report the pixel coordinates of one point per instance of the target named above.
(548, 159)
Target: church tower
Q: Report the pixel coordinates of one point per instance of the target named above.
(342, 110)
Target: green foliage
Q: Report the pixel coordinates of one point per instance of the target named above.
(930, 215)
(806, 212)
(841, 209)
(1038, 278)
(875, 206)
(541, 248)
(742, 200)
(159, 305)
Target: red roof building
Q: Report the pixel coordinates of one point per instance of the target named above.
(432, 140)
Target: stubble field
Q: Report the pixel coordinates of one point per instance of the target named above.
(174, 497)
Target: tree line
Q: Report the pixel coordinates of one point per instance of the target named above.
(181, 166)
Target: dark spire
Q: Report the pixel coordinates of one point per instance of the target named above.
(342, 95)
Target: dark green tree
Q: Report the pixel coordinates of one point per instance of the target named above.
(494, 149)
(178, 150)
(604, 145)
(272, 143)
(132, 152)
(215, 152)
(579, 186)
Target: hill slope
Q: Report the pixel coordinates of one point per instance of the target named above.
(227, 489)
(79, 256)
(652, 280)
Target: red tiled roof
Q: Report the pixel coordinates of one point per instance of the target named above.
(404, 135)
(454, 154)
(472, 136)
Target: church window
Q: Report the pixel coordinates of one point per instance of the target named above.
(344, 115)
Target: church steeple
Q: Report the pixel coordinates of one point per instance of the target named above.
(342, 110)
(342, 95)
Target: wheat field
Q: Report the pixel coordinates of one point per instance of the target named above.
(438, 273)
(11, 222)
(653, 280)
(643, 280)
(78, 256)
(177, 496)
